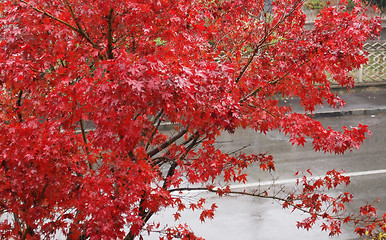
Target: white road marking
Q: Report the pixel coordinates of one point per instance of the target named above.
(293, 180)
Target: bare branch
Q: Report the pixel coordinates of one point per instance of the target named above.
(257, 48)
(159, 161)
(240, 149)
(163, 159)
(174, 164)
(18, 105)
(195, 136)
(25, 233)
(137, 114)
(110, 35)
(287, 200)
(253, 93)
(167, 143)
(188, 189)
(157, 123)
(82, 129)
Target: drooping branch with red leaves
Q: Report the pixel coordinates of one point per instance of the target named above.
(87, 86)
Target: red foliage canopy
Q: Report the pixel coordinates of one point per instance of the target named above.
(127, 67)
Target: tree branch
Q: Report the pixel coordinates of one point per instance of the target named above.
(272, 82)
(253, 93)
(157, 119)
(147, 214)
(51, 16)
(240, 149)
(82, 128)
(288, 201)
(195, 138)
(263, 40)
(110, 35)
(159, 161)
(83, 131)
(78, 30)
(25, 233)
(167, 143)
(257, 48)
(174, 164)
(18, 105)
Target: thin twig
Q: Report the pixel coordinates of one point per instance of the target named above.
(288, 201)
(272, 82)
(240, 149)
(263, 40)
(80, 31)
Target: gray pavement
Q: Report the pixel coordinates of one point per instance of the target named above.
(240, 217)
(246, 218)
(368, 99)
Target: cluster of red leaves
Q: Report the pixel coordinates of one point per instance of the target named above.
(180, 232)
(319, 204)
(124, 68)
(373, 223)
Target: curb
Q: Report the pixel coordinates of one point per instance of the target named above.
(367, 111)
(361, 87)
(341, 113)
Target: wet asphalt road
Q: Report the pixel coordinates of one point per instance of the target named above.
(247, 218)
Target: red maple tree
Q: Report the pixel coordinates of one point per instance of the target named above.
(126, 67)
